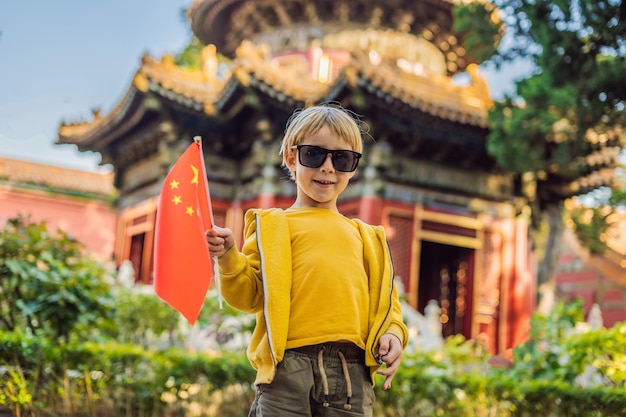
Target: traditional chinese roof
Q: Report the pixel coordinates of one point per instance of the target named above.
(22, 173)
(294, 24)
(209, 96)
(191, 89)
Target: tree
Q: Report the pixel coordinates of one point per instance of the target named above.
(561, 131)
(48, 284)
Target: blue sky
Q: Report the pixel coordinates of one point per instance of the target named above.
(61, 59)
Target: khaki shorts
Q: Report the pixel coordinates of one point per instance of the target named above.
(329, 380)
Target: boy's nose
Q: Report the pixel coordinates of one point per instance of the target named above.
(328, 162)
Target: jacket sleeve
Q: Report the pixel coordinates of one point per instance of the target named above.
(397, 327)
(240, 273)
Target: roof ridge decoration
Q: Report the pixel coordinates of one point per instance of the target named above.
(254, 60)
(436, 95)
(84, 127)
(201, 86)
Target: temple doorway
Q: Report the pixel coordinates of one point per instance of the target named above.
(446, 275)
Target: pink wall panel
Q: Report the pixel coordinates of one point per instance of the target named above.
(92, 222)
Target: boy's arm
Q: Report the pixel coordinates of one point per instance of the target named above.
(393, 342)
(240, 276)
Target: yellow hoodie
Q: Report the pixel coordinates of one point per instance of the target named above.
(263, 267)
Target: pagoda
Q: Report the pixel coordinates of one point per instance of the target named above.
(456, 222)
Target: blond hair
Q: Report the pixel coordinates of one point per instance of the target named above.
(307, 122)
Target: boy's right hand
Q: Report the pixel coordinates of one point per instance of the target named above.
(220, 240)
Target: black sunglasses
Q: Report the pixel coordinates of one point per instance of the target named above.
(312, 156)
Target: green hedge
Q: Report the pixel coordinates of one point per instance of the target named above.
(113, 379)
(474, 394)
(43, 379)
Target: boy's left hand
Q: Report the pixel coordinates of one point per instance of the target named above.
(390, 351)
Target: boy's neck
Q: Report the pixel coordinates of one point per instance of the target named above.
(298, 205)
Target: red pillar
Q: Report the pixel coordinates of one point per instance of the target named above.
(371, 209)
(267, 201)
(521, 288)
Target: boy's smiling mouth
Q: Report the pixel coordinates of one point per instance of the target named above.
(324, 182)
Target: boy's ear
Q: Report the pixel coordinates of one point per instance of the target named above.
(289, 159)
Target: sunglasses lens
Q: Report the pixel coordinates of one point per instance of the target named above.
(313, 157)
(344, 161)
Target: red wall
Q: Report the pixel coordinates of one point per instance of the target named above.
(91, 222)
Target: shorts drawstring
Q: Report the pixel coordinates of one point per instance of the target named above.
(320, 364)
(346, 374)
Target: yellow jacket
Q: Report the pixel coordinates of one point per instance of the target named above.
(263, 267)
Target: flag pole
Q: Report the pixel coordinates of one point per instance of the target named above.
(216, 268)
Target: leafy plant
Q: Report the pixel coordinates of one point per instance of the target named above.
(48, 284)
(140, 316)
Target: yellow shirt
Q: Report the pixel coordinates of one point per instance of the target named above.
(259, 280)
(330, 291)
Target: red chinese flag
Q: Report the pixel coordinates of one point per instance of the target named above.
(182, 264)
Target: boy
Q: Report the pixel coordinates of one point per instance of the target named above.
(321, 285)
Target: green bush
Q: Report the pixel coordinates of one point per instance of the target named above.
(48, 285)
(564, 369)
(139, 316)
(448, 382)
(39, 378)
